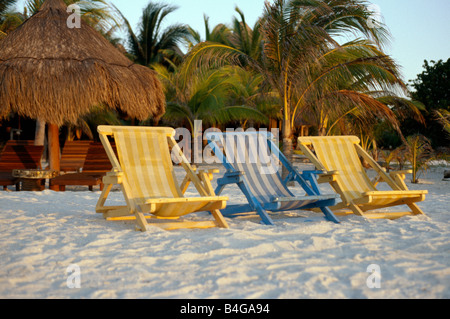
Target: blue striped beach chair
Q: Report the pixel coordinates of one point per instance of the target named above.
(252, 162)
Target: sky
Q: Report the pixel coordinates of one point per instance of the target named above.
(420, 28)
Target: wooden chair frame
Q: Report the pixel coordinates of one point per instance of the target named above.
(365, 203)
(313, 198)
(140, 213)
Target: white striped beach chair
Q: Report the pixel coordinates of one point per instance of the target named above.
(145, 173)
(338, 156)
(252, 162)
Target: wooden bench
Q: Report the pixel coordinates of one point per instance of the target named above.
(23, 155)
(73, 155)
(95, 167)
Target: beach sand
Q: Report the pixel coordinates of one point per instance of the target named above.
(43, 234)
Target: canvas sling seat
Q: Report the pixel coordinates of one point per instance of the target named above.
(339, 157)
(145, 173)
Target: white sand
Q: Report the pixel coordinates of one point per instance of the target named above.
(303, 256)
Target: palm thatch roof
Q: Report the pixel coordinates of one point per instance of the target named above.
(54, 73)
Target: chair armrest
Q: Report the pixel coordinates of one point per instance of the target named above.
(237, 173)
(113, 178)
(231, 178)
(327, 177)
(204, 175)
(209, 172)
(404, 172)
(315, 172)
(399, 178)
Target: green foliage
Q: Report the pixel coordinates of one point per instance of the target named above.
(5, 5)
(208, 95)
(432, 88)
(289, 66)
(389, 156)
(8, 19)
(315, 79)
(418, 152)
(386, 137)
(443, 116)
(151, 44)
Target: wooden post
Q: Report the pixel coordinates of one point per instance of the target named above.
(53, 149)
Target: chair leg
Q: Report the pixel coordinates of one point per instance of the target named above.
(141, 222)
(415, 209)
(219, 189)
(330, 215)
(356, 210)
(221, 222)
(256, 205)
(264, 216)
(103, 197)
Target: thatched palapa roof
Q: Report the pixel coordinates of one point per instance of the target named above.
(51, 72)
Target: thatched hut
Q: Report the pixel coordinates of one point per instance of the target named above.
(55, 73)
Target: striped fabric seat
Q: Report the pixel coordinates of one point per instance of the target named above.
(147, 166)
(258, 161)
(339, 155)
(143, 155)
(261, 171)
(145, 171)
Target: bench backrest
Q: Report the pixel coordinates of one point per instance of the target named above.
(74, 155)
(21, 157)
(97, 160)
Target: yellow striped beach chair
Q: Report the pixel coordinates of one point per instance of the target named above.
(339, 157)
(145, 173)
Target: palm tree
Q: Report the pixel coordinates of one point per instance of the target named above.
(8, 20)
(5, 5)
(418, 152)
(307, 67)
(246, 39)
(443, 117)
(207, 95)
(219, 34)
(151, 44)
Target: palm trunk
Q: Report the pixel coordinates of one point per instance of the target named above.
(288, 150)
(39, 137)
(322, 130)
